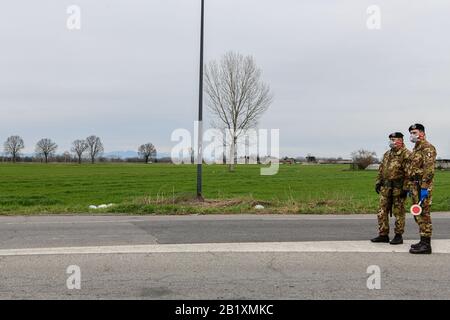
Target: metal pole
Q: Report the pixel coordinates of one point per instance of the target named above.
(200, 107)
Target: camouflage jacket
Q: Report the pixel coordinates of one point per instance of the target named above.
(421, 164)
(393, 166)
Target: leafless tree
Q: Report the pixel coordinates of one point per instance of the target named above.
(67, 157)
(45, 148)
(191, 155)
(363, 158)
(12, 146)
(237, 96)
(95, 147)
(79, 147)
(147, 151)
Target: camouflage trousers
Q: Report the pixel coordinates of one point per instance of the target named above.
(423, 220)
(398, 210)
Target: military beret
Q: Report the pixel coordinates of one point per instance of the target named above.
(417, 126)
(396, 135)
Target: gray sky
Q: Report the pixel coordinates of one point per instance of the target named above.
(130, 74)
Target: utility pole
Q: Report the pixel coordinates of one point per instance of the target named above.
(200, 108)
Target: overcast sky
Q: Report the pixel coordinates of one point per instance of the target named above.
(130, 74)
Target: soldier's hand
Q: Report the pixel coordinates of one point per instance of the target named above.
(423, 194)
(404, 194)
(378, 188)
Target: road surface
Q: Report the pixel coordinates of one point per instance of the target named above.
(217, 257)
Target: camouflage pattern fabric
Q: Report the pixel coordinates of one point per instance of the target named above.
(420, 172)
(398, 209)
(424, 220)
(393, 165)
(391, 176)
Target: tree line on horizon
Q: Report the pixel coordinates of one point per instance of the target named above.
(236, 97)
(91, 148)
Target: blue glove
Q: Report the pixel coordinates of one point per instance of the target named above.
(423, 194)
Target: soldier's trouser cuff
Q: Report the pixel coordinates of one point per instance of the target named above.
(426, 234)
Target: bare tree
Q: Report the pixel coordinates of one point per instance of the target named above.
(191, 155)
(237, 97)
(66, 156)
(147, 151)
(95, 147)
(79, 147)
(12, 146)
(45, 148)
(363, 158)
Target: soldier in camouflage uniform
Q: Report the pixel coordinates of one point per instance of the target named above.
(390, 184)
(420, 175)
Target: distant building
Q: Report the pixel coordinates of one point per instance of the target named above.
(440, 164)
(334, 161)
(311, 159)
(443, 164)
(344, 161)
(374, 166)
(287, 160)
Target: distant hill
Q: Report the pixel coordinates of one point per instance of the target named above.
(121, 154)
(109, 155)
(129, 154)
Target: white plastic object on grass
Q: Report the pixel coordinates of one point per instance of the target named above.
(102, 206)
(259, 207)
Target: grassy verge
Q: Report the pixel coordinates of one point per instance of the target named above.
(168, 189)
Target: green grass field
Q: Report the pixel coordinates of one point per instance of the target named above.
(169, 189)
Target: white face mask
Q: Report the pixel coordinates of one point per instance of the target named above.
(414, 138)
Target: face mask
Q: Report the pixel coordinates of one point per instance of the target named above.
(392, 144)
(414, 138)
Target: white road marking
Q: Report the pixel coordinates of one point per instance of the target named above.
(439, 246)
(74, 222)
(72, 219)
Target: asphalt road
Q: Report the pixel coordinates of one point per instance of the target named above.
(216, 257)
(43, 231)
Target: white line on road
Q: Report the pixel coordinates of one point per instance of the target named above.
(184, 219)
(73, 219)
(74, 222)
(439, 246)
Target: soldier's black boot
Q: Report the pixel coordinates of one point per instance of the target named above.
(380, 238)
(424, 246)
(416, 245)
(398, 239)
